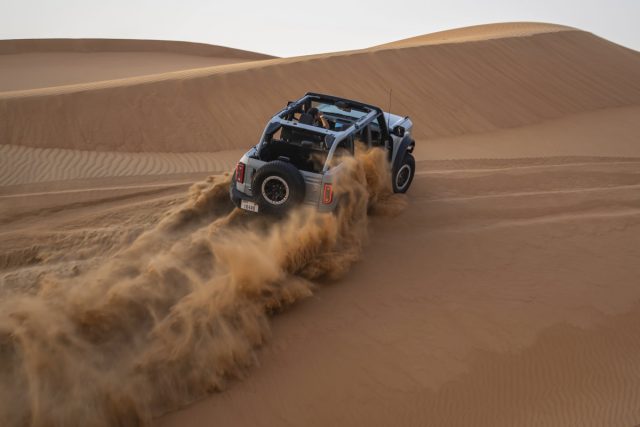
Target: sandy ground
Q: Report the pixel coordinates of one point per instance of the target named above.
(38, 70)
(503, 293)
(20, 166)
(512, 300)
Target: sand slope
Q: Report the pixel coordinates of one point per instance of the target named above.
(40, 70)
(601, 133)
(29, 64)
(449, 89)
(478, 33)
(21, 46)
(512, 301)
(25, 165)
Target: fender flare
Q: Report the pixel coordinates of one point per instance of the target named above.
(406, 146)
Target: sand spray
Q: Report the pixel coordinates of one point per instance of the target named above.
(180, 312)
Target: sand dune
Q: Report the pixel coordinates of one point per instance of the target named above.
(41, 70)
(21, 46)
(26, 165)
(601, 133)
(478, 33)
(501, 291)
(606, 133)
(451, 89)
(29, 64)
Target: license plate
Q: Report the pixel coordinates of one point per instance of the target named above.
(249, 205)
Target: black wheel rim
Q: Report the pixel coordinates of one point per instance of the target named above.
(275, 190)
(402, 177)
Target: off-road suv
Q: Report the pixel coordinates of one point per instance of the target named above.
(297, 160)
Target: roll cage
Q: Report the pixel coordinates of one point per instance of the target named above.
(331, 137)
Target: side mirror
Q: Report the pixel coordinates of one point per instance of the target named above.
(398, 131)
(290, 102)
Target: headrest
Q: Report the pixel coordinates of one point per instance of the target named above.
(306, 119)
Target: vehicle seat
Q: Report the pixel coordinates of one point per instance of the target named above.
(306, 119)
(286, 134)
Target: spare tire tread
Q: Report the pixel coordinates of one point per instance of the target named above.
(292, 177)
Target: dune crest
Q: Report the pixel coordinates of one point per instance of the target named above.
(478, 33)
(45, 63)
(22, 46)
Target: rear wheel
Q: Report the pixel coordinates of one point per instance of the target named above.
(278, 187)
(404, 174)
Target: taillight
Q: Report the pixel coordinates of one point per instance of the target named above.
(240, 173)
(327, 194)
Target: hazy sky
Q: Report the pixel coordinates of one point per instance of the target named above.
(302, 26)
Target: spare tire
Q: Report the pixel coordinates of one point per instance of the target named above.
(278, 186)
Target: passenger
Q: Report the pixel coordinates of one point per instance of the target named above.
(318, 118)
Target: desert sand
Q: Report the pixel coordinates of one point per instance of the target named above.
(502, 290)
(30, 64)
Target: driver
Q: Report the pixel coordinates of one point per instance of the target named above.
(318, 118)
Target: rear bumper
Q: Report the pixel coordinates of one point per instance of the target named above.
(237, 196)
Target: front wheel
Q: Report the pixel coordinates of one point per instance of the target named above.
(404, 174)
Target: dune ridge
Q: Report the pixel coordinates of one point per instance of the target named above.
(27, 46)
(21, 46)
(46, 63)
(450, 89)
(474, 33)
(478, 32)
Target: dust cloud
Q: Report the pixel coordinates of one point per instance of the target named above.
(180, 312)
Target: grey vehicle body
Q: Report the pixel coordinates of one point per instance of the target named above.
(286, 140)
